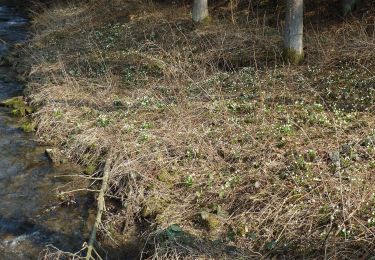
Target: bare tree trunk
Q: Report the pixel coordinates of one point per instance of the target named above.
(200, 10)
(293, 38)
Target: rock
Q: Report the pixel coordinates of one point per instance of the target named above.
(20, 112)
(28, 127)
(18, 105)
(55, 156)
(14, 102)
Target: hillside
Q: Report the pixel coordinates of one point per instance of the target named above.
(219, 149)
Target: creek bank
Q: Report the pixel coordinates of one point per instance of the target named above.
(211, 159)
(31, 215)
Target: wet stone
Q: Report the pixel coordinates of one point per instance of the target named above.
(55, 156)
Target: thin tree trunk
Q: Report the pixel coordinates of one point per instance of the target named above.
(200, 10)
(293, 37)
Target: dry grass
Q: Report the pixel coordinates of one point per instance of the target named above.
(212, 131)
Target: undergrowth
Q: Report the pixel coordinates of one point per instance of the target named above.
(223, 150)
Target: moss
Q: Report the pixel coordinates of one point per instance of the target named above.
(310, 156)
(152, 207)
(242, 229)
(167, 176)
(293, 57)
(28, 126)
(163, 175)
(21, 111)
(206, 21)
(90, 169)
(18, 105)
(210, 221)
(14, 102)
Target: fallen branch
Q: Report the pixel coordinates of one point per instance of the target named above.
(77, 190)
(101, 208)
(52, 252)
(79, 176)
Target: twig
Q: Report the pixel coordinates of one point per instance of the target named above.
(78, 175)
(72, 191)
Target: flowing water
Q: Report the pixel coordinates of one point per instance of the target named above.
(30, 217)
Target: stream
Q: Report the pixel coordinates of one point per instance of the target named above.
(30, 214)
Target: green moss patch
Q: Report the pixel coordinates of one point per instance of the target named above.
(292, 56)
(18, 106)
(28, 126)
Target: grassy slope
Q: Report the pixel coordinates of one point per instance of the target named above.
(210, 131)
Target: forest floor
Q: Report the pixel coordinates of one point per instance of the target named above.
(220, 149)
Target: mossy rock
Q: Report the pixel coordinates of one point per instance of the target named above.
(18, 105)
(14, 102)
(55, 156)
(28, 127)
(21, 111)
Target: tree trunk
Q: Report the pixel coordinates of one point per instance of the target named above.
(293, 38)
(200, 10)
